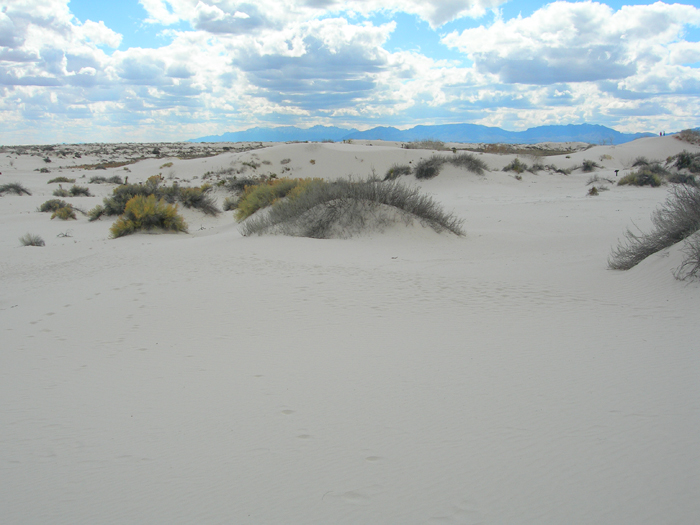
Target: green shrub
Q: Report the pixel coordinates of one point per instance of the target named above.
(430, 167)
(263, 195)
(116, 179)
(230, 203)
(95, 213)
(53, 205)
(61, 179)
(689, 161)
(469, 162)
(678, 218)
(681, 178)
(60, 192)
(516, 166)
(642, 177)
(320, 209)
(197, 198)
(146, 213)
(14, 187)
(64, 213)
(425, 144)
(396, 171)
(31, 240)
(589, 165)
(79, 191)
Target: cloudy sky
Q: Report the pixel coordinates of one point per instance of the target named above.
(168, 70)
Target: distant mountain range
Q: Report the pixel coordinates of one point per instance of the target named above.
(469, 133)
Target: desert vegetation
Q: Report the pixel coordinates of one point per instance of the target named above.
(677, 219)
(147, 213)
(116, 179)
(425, 144)
(61, 179)
(431, 167)
(691, 136)
(342, 208)
(15, 188)
(31, 240)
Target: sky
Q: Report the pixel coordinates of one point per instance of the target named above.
(170, 70)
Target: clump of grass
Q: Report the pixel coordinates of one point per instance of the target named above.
(285, 161)
(31, 240)
(682, 178)
(690, 267)
(517, 166)
(687, 160)
(396, 171)
(53, 205)
(61, 179)
(322, 209)
(79, 191)
(468, 162)
(596, 178)
(116, 179)
(61, 192)
(425, 144)
(14, 187)
(95, 213)
(262, 195)
(593, 191)
(147, 213)
(167, 165)
(678, 218)
(198, 198)
(430, 167)
(64, 213)
(689, 135)
(230, 203)
(589, 165)
(641, 177)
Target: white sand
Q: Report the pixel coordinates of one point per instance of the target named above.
(407, 377)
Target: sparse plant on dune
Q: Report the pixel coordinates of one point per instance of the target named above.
(425, 144)
(342, 208)
(147, 213)
(691, 136)
(31, 240)
(116, 179)
(469, 162)
(396, 171)
(687, 160)
(79, 191)
(430, 167)
(14, 187)
(690, 267)
(641, 177)
(517, 166)
(61, 192)
(262, 195)
(677, 219)
(64, 213)
(61, 179)
(589, 165)
(53, 205)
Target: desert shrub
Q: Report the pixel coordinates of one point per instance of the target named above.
(285, 161)
(681, 178)
(116, 179)
(53, 205)
(589, 165)
(430, 167)
(469, 162)
(167, 165)
(596, 178)
(238, 185)
(230, 203)
(147, 213)
(64, 213)
(642, 177)
(95, 213)
(61, 179)
(322, 209)
(31, 240)
(640, 161)
(44, 170)
(516, 166)
(537, 166)
(61, 192)
(79, 191)
(593, 191)
(690, 267)
(263, 195)
(425, 144)
(396, 171)
(14, 187)
(687, 160)
(197, 198)
(678, 218)
(689, 135)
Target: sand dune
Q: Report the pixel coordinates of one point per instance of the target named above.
(502, 377)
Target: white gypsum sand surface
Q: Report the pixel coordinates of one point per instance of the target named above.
(506, 376)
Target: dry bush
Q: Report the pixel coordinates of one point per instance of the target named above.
(642, 177)
(678, 218)
(61, 179)
(690, 268)
(341, 208)
(425, 144)
(691, 136)
(64, 213)
(31, 240)
(517, 166)
(14, 187)
(147, 213)
(396, 171)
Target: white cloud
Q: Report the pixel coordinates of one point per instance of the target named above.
(100, 34)
(575, 42)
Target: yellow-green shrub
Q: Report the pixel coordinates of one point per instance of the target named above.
(146, 213)
(262, 195)
(64, 213)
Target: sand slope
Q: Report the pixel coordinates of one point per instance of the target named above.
(407, 377)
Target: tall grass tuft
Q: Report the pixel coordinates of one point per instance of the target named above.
(678, 218)
(31, 240)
